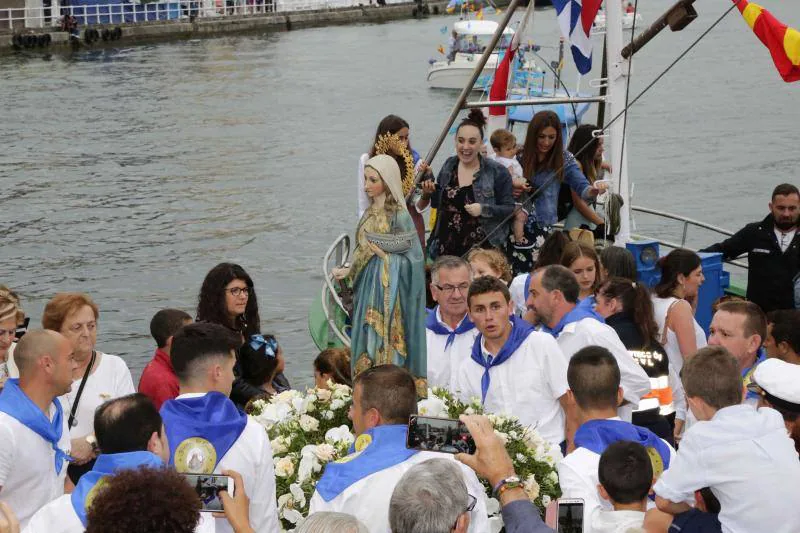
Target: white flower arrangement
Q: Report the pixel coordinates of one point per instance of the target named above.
(309, 430)
(306, 431)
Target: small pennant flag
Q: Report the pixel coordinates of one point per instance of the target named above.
(782, 41)
(575, 18)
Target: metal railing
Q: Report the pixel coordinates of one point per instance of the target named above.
(48, 17)
(687, 222)
(339, 251)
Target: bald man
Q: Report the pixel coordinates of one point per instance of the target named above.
(34, 437)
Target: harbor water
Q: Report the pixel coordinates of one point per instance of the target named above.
(129, 173)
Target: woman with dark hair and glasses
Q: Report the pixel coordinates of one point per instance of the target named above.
(228, 297)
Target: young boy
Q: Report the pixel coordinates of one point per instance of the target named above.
(626, 475)
(742, 454)
(504, 145)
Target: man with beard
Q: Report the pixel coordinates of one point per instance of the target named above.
(773, 251)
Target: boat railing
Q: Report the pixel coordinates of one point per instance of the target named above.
(339, 251)
(17, 18)
(686, 224)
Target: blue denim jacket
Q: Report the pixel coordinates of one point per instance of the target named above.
(546, 203)
(492, 187)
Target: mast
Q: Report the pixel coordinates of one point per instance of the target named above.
(617, 68)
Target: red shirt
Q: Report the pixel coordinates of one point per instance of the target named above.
(158, 381)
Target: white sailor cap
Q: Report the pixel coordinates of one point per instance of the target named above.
(779, 382)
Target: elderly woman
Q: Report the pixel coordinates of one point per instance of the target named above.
(473, 196)
(388, 284)
(99, 376)
(228, 297)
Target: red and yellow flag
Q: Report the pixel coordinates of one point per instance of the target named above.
(783, 42)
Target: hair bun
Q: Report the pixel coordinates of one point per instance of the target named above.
(476, 115)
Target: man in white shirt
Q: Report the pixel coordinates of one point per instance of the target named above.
(207, 433)
(449, 331)
(742, 454)
(361, 484)
(553, 296)
(130, 434)
(512, 368)
(594, 389)
(33, 424)
(740, 328)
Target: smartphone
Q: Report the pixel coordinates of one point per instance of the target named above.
(444, 435)
(208, 487)
(570, 515)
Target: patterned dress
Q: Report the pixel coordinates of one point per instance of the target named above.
(458, 231)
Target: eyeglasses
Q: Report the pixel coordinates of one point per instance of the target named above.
(470, 506)
(238, 291)
(448, 289)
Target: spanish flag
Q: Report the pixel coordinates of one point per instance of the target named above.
(783, 42)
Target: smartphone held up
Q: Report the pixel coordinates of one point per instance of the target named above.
(444, 435)
(208, 487)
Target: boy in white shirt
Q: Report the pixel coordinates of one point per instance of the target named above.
(504, 145)
(743, 455)
(626, 475)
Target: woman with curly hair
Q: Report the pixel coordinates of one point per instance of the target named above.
(228, 297)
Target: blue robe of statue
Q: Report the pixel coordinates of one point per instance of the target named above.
(389, 299)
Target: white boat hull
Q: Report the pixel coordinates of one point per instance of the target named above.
(456, 74)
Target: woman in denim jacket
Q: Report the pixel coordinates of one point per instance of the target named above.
(473, 196)
(544, 155)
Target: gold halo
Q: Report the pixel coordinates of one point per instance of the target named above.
(390, 144)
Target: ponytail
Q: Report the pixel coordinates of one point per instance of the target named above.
(636, 302)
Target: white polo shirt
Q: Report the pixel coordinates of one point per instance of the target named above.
(443, 363)
(578, 478)
(750, 464)
(28, 478)
(528, 385)
(251, 456)
(590, 332)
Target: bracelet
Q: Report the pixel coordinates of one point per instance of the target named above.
(505, 484)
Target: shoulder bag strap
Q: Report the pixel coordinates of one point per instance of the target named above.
(80, 390)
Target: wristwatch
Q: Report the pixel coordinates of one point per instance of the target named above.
(91, 440)
(511, 482)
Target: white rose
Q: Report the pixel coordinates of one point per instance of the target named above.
(325, 452)
(340, 434)
(546, 500)
(324, 395)
(531, 487)
(298, 405)
(308, 423)
(308, 463)
(514, 435)
(328, 415)
(341, 391)
(274, 413)
(553, 477)
(298, 495)
(292, 515)
(337, 404)
(432, 406)
(495, 524)
(309, 404)
(492, 506)
(285, 396)
(284, 500)
(284, 467)
(278, 446)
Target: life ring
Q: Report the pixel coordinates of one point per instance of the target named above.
(116, 33)
(106, 35)
(17, 40)
(47, 39)
(30, 41)
(41, 41)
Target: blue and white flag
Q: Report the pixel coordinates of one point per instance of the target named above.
(575, 18)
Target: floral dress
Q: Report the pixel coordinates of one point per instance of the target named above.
(458, 231)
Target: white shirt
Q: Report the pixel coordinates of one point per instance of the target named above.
(251, 456)
(518, 296)
(750, 464)
(510, 163)
(368, 498)
(110, 379)
(528, 385)
(590, 332)
(443, 363)
(615, 521)
(58, 516)
(577, 476)
(785, 238)
(28, 478)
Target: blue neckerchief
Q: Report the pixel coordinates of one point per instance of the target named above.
(213, 417)
(597, 435)
(520, 330)
(527, 286)
(106, 465)
(386, 449)
(15, 403)
(433, 324)
(579, 312)
(747, 373)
